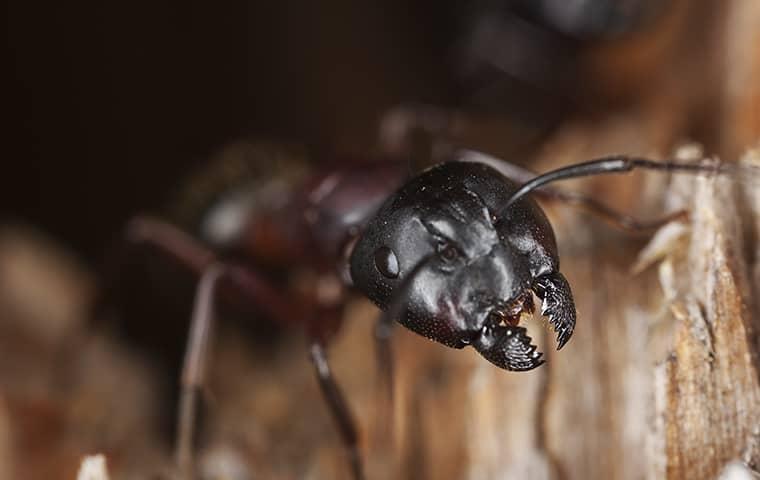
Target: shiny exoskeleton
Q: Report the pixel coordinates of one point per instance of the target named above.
(484, 256)
(454, 253)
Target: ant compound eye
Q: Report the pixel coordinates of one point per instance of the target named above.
(448, 252)
(386, 262)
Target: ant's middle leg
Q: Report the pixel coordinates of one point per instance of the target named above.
(186, 251)
(194, 366)
(259, 292)
(171, 240)
(620, 220)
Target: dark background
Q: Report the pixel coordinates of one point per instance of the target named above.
(110, 105)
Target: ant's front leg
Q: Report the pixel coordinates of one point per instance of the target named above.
(259, 292)
(338, 406)
(264, 295)
(194, 366)
(186, 251)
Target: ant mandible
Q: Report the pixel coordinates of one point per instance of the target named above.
(454, 254)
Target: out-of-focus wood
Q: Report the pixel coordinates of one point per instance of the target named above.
(741, 64)
(64, 392)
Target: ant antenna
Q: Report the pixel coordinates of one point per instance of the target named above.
(612, 164)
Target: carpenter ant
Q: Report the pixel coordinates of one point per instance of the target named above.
(454, 254)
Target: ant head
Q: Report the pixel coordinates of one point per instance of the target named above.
(461, 263)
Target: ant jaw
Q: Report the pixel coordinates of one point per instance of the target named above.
(505, 344)
(508, 347)
(557, 305)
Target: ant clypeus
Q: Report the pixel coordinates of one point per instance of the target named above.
(454, 253)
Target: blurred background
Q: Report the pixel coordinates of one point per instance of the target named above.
(111, 107)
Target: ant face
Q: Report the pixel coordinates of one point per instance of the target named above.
(463, 267)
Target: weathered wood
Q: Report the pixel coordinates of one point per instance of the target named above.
(706, 389)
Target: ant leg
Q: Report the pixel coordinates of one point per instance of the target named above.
(194, 366)
(620, 220)
(201, 329)
(338, 406)
(189, 252)
(171, 240)
(142, 231)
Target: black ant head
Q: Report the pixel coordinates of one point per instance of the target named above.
(464, 265)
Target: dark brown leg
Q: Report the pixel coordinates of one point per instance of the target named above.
(194, 366)
(259, 292)
(140, 233)
(620, 220)
(171, 240)
(336, 402)
(187, 251)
